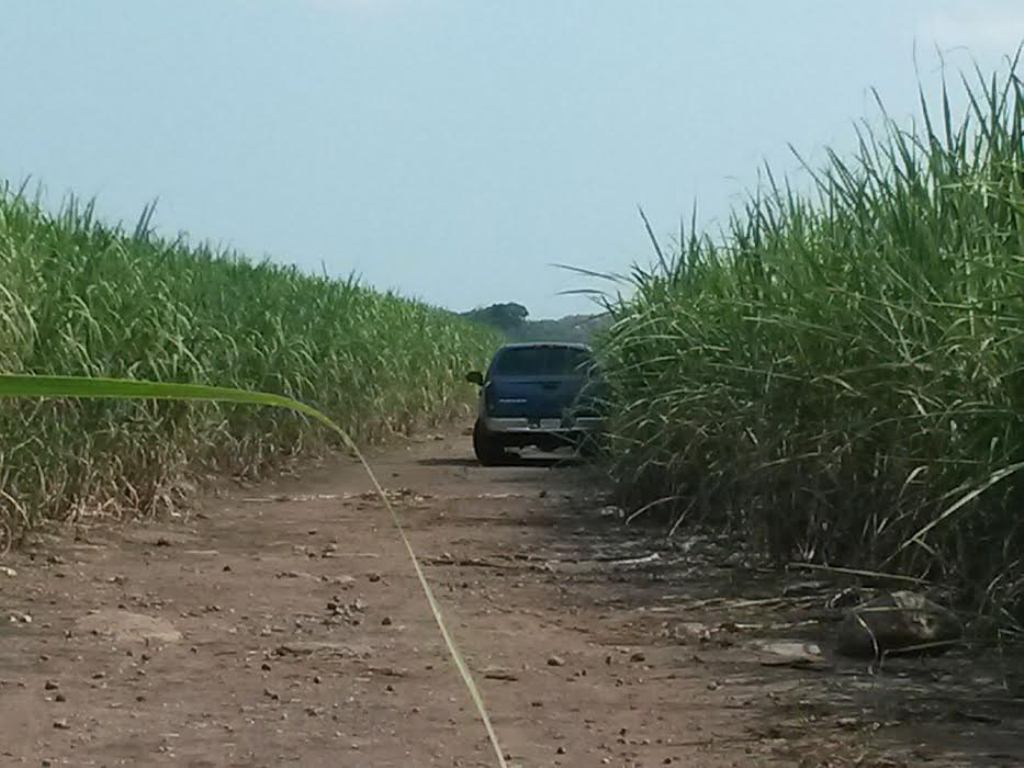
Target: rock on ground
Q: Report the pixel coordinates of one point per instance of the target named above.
(898, 622)
(128, 627)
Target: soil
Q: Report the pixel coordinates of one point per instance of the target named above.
(283, 625)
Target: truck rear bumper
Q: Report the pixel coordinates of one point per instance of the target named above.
(522, 425)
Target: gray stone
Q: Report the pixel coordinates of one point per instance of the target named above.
(346, 650)
(125, 626)
(899, 622)
(789, 653)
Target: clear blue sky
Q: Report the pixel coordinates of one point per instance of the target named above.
(452, 149)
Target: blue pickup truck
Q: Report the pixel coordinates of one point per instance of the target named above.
(546, 395)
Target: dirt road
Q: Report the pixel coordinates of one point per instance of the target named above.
(282, 625)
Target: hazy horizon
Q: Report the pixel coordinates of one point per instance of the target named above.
(454, 151)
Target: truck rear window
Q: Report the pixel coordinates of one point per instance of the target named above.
(542, 361)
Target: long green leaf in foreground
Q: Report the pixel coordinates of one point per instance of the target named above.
(17, 385)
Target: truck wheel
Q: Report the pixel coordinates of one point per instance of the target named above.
(488, 448)
(589, 446)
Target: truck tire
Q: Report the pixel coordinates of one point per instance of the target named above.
(589, 446)
(488, 447)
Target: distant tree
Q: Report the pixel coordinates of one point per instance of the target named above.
(506, 317)
(511, 319)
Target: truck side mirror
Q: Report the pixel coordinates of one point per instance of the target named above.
(475, 377)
